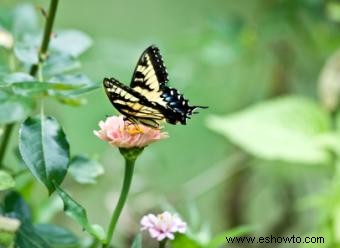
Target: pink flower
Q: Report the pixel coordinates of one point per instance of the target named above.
(124, 134)
(163, 225)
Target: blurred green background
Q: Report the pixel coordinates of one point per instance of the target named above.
(227, 55)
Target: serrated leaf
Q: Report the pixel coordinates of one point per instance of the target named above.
(14, 108)
(6, 180)
(56, 236)
(85, 170)
(137, 242)
(286, 129)
(44, 149)
(72, 42)
(75, 211)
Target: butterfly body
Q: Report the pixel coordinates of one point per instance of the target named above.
(149, 100)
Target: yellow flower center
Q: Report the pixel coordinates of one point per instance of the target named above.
(134, 129)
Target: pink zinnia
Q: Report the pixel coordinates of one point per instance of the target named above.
(125, 134)
(163, 225)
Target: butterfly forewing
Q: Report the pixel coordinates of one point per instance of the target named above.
(130, 103)
(150, 75)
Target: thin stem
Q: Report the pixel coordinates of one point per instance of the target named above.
(34, 69)
(129, 168)
(162, 243)
(47, 35)
(5, 140)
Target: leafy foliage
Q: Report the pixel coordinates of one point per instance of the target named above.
(45, 150)
(287, 129)
(85, 170)
(79, 214)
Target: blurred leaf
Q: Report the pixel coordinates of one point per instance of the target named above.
(137, 242)
(73, 79)
(26, 236)
(14, 204)
(72, 97)
(78, 213)
(6, 180)
(29, 237)
(34, 88)
(284, 129)
(14, 108)
(26, 53)
(8, 79)
(8, 229)
(48, 209)
(57, 237)
(6, 239)
(45, 150)
(59, 63)
(333, 11)
(184, 241)
(220, 239)
(85, 170)
(72, 42)
(25, 19)
(329, 82)
(70, 101)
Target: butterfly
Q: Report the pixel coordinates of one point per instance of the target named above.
(149, 100)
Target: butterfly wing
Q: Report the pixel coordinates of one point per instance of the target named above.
(133, 105)
(150, 75)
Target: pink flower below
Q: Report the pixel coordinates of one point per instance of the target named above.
(124, 134)
(163, 225)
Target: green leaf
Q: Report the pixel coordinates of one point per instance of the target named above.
(72, 79)
(72, 42)
(137, 242)
(26, 53)
(8, 79)
(36, 88)
(28, 237)
(287, 129)
(25, 19)
(14, 108)
(184, 241)
(15, 205)
(75, 211)
(6, 180)
(44, 149)
(72, 97)
(57, 64)
(56, 236)
(85, 170)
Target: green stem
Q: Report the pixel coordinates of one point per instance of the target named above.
(33, 71)
(129, 168)
(5, 140)
(47, 36)
(162, 243)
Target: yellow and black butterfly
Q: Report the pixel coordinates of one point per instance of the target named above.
(149, 100)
